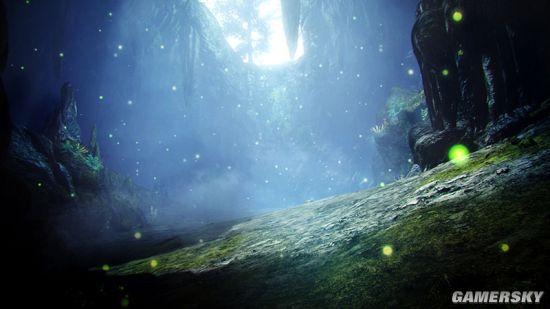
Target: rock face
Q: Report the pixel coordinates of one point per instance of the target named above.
(94, 145)
(408, 244)
(61, 192)
(5, 123)
(63, 124)
(482, 62)
(430, 147)
(402, 112)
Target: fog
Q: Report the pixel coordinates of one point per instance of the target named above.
(224, 126)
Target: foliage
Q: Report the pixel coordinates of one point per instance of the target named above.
(379, 129)
(78, 154)
(401, 103)
(403, 100)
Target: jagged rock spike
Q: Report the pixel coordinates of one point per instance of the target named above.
(94, 145)
(291, 21)
(63, 124)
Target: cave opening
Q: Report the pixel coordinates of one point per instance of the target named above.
(255, 30)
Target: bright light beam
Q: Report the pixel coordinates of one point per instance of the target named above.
(277, 50)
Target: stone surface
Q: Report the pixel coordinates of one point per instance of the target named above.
(483, 73)
(431, 148)
(63, 124)
(93, 144)
(415, 171)
(445, 228)
(484, 64)
(61, 192)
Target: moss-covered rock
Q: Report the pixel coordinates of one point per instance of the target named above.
(480, 226)
(83, 165)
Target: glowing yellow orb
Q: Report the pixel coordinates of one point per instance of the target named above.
(459, 154)
(387, 250)
(445, 72)
(460, 52)
(105, 267)
(458, 16)
(504, 247)
(154, 263)
(137, 235)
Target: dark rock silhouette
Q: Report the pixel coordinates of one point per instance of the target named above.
(63, 124)
(481, 61)
(430, 147)
(94, 145)
(5, 122)
(62, 192)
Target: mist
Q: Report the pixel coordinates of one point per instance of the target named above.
(224, 128)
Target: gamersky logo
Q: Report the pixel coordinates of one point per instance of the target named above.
(497, 297)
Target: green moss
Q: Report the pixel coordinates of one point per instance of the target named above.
(456, 245)
(402, 100)
(444, 249)
(196, 257)
(77, 154)
(500, 153)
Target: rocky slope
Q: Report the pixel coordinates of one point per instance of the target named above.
(479, 225)
(64, 204)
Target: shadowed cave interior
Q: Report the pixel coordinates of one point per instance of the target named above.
(273, 153)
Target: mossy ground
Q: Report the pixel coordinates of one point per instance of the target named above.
(499, 153)
(198, 257)
(457, 246)
(435, 252)
(452, 245)
(446, 248)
